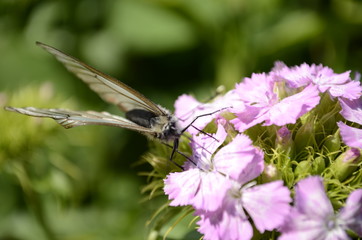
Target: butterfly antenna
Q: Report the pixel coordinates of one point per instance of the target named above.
(203, 132)
(202, 115)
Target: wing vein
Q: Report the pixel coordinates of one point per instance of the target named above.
(108, 88)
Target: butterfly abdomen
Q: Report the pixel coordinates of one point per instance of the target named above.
(141, 117)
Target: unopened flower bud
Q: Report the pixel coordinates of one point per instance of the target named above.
(333, 142)
(318, 165)
(304, 135)
(284, 141)
(303, 168)
(270, 173)
(346, 163)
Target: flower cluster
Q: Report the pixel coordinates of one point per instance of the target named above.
(272, 132)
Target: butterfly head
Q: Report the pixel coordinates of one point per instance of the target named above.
(172, 130)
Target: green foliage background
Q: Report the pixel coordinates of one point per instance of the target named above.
(81, 183)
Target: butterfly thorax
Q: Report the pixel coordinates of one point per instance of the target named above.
(164, 127)
(170, 129)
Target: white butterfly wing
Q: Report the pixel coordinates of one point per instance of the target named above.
(108, 88)
(69, 119)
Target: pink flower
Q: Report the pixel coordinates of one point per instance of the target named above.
(262, 103)
(313, 216)
(338, 85)
(266, 204)
(217, 187)
(204, 186)
(199, 185)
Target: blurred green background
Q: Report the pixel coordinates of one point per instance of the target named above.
(82, 183)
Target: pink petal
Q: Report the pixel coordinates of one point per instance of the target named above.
(267, 204)
(211, 191)
(352, 212)
(350, 90)
(311, 199)
(300, 226)
(338, 85)
(351, 136)
(257, 90)
(222, 226)
(184, 106)
(203, 190)
(308, 234)
(186, 109)
(204, 146)
(181, 187)
(297, 76)
(248, 116)
(351, 110)
(327, 77)
(291, 108)
(240, 160)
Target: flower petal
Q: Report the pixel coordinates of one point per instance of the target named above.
(248, 116)
(338, 85)
(351, 110)
(211, 191)
(204, 146)
(203, 190)
(257, 90)
(352, 212)
(267, 204)
(311, 199)
(289, 109)
(240, 160)
(351, 136)
(186, 109)
(223, 225)
(351, 90)
(181, 187)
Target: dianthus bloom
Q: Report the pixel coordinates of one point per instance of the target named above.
(216, 187)
(313, 216)
(263, 102)
(272, 130)
(337, 85)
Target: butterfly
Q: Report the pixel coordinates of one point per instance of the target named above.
(141, 114)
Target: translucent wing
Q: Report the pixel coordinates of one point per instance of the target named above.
(69, 119)
(108, 88)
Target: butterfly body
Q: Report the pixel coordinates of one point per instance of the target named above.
(165, 126)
